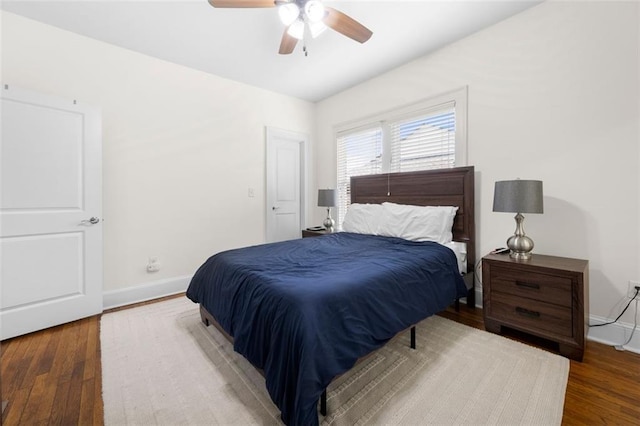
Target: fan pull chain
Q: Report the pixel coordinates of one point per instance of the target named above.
(304, 49)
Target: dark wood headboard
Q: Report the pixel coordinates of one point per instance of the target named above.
(440, 187)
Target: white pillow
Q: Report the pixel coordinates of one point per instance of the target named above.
(460, 250)
(362, 218)
(417, 223)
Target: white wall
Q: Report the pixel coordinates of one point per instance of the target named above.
(553, 95)
(180, 147)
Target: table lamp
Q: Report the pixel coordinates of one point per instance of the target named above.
(327, 198)
(518, 196)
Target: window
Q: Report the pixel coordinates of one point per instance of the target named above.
(359, 153)
(428, 135)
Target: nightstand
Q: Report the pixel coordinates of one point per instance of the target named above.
(307, 233)
(546, 296)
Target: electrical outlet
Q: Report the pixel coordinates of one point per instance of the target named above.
(632, 289)
(153, 265)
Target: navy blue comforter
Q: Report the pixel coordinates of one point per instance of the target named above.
(305, 310)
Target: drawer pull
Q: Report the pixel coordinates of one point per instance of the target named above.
(527, 312)
(528, 285)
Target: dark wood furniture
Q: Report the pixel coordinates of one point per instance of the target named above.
(441, 187)
(546, 296)
(306, 233)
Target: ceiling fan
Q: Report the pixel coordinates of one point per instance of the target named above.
(300, 16)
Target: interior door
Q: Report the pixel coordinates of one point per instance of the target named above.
(50, 212)
(285, 151)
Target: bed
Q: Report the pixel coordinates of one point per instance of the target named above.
(304, 311)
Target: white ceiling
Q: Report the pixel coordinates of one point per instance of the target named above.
(242, 44)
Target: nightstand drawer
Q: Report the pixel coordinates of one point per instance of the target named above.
(542, 287)
(531, 314)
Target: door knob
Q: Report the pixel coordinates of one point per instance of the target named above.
(91, 221)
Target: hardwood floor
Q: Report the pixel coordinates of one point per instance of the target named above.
(54, 377)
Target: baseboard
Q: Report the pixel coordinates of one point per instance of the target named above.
(144, 292)
(478, 292)
(614, 334)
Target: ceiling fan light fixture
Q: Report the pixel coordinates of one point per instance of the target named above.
(296, 30)
(317, 28)
(288, 13)
(314, 10)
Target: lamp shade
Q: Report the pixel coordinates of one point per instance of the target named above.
(296, 30)
(518, 196)
(288, 13)
(327, 197)
(317, 28)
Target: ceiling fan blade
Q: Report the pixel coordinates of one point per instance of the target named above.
(287, 44)
(346, 25)
(242, 3)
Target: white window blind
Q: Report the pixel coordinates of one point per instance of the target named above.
(424, 141)
(359, 153)
(429, 135)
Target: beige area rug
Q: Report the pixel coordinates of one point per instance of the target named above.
(162, 366)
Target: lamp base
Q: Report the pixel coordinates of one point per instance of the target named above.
(519, 244)
(519, 255)
(329, 222)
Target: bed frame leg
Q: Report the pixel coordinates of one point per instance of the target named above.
(456, 305)
(203, 316)
(323, 403)
(413, 337)
(471, 297)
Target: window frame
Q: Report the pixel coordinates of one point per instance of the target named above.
(459, 99)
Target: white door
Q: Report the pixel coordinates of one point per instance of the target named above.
(285, 151)
(50, 212)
